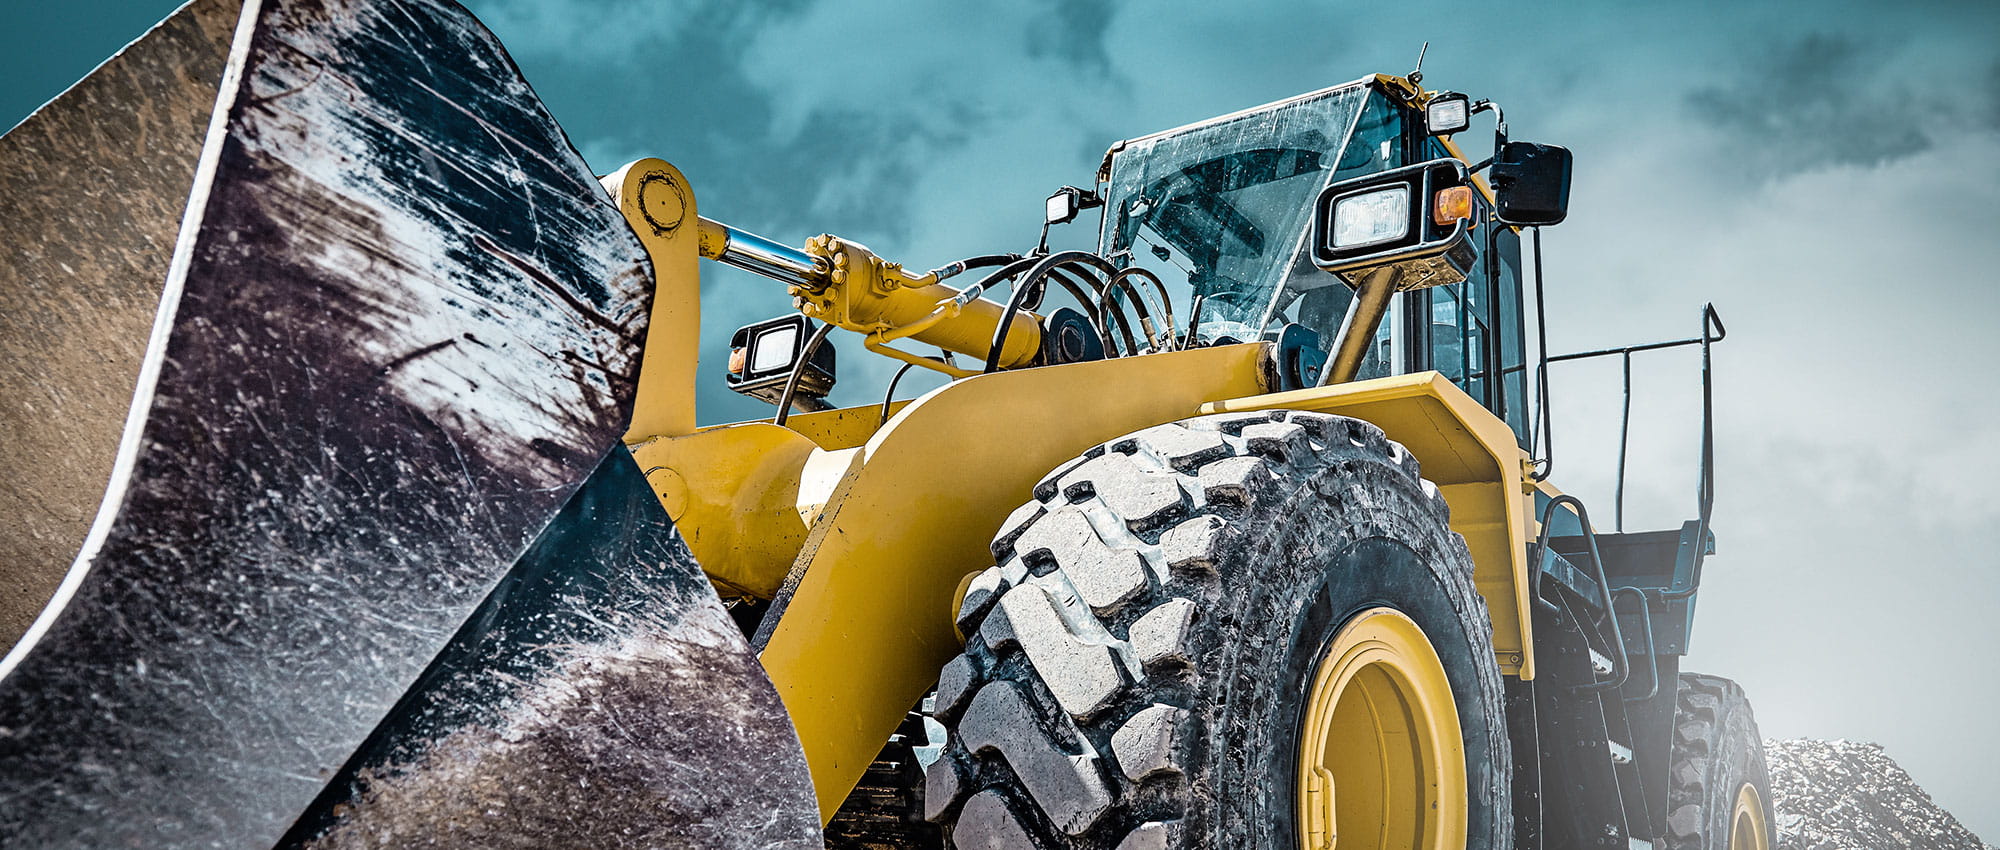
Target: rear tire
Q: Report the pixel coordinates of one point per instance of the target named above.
(1719, 792)
(1139, 664)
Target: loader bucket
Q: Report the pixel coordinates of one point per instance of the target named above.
(371, 565)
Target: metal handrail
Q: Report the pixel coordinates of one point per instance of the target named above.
(1652, 651)
(1712, 332)
(1621, 665)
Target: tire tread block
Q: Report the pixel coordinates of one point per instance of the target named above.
(1716, 749)
(1066, 787)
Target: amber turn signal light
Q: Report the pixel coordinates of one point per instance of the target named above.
(1450, 205)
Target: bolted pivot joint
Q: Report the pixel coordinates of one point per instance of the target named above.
(857, 288)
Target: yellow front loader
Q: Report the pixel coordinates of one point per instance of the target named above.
(1232, 532)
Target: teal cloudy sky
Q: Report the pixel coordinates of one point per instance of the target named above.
(1828, 174)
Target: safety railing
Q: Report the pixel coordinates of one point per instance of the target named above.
(1712, 332)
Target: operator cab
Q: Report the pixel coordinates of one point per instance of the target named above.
(1221, 211)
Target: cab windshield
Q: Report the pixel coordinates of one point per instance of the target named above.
(1220, 210)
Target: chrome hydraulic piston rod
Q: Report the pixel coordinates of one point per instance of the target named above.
(842, 282)
(758, 255)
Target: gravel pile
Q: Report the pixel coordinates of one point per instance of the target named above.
(1849, 795)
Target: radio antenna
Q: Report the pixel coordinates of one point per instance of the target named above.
(1417, 76)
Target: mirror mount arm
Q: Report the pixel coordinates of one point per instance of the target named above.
(1499, 118)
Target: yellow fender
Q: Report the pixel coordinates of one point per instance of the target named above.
(1470, 454)
(868, 622)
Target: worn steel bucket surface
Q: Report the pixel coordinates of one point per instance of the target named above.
(370, 563)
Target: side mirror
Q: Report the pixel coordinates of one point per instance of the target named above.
(1067, 202)
(1531, 184)
(1415, 219)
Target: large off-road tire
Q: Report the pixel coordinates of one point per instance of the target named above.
(1138, 667)
(1719, 796)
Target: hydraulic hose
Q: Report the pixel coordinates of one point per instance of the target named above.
(1032, 278)
(955, 268)
(799, 370)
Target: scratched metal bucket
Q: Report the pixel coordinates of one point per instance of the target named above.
(317, 339)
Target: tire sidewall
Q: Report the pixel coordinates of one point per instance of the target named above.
(1383, 573)
(1717, 750)
(1741, 761)
(1402, 556)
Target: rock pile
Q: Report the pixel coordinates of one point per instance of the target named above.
(1849, 795)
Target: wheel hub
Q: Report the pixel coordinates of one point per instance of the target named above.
(1381, 756)
(1747, 830)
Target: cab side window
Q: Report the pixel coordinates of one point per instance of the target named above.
(1471, 331)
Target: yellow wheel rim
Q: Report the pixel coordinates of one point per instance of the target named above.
(1381, 759)
(1747, 829)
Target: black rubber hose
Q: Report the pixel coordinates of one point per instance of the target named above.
(1029, 280)
(1121, 282)
(1010, 271)
(889, 395)
(1082, 297)
(953, 269)
(799, 369)
(1107, 301)
(1106, 305)
(1172, 330)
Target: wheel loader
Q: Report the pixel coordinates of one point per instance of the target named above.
(359, 498)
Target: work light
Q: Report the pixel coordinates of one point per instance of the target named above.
(1064, 205)
(1414, 219)
(773, 350)
(762, 357)
(1447, 113)
(1371, 218)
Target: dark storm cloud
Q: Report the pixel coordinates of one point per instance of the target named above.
(1819, 100)
(1073, 31)
(1992, 92)
(682, 87)
(680, 81)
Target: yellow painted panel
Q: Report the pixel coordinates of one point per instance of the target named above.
(734, 493)
(870, 623)
(843, 428)
(1490, 538)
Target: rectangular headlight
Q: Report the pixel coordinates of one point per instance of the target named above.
(763, 357)
(1447, 114)
(1061, 208)
(1412, 220)
(1371, 218)
(774, 349)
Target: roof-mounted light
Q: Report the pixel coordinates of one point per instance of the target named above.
(1447, 113)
